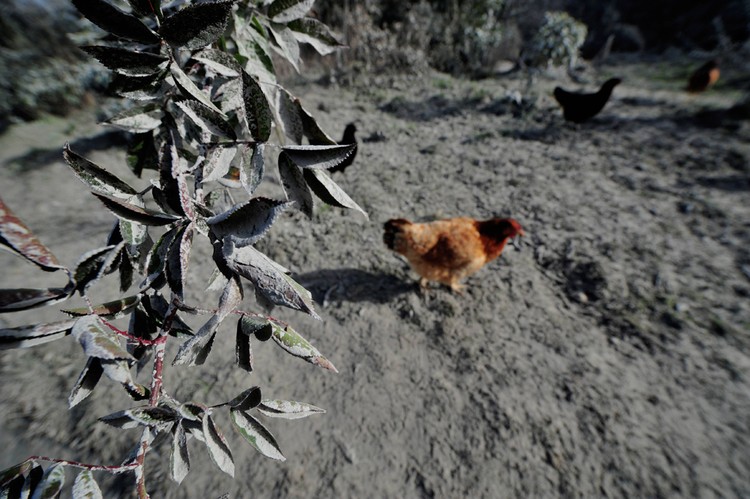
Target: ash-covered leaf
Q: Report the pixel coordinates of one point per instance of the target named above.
(257, 434)
(207, 119)
(133, 213)
(140, 88)
(32, 335)
(159, 417)
(51, 484)
(313, 32)
(257, 111)
(127, 62)
(95, 177)
(197, 25)
(32, 480)
(178, 258)
(289, 116)
(18, 238)
(283, 11)
(246, 224)
(157, 257)
(195, 350)
(312, 130)
(329, 191)
(218, 161)
(86, 382)
(119, 372)
(318, 156)
(85, 487)
(14, 300)
(246, 400)
(179, 458)
(288, 409)
(286, 43)
(139, 119)
(255, 326)
(18, 470)
(190, 90)
(119, 23)
(293, 343)
(217, 446)
(252, 167)
(294, 184)
(219, 61)
(91, 265)
(110, 310)
(142, 153)
(98, 340)
(268, 277)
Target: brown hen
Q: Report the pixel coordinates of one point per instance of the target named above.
(447, 251)
(703, 77)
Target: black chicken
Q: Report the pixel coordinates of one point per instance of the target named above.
(580, 107)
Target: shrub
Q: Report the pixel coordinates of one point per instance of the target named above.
(205, 108)
(558, 40)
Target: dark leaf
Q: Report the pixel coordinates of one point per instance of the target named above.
(32, 480)
(261, 328)
(195, 350)
(98, 340)
(312, 130)
(246, 224)
(197, 25)
(288, 409)
(18, 238)
(295, 185)
(86, 382)
(85, 487)
(268, 277)
(13, 300)
(159, 417)
(29, 336)
(51, 484)
(92, 266)
(311, 31)
(139, 88)
(135, 213)
(290, 117)
(117, 22)
(9, 474)
(318, 156)
(293, 343)
(283, 11)
(329, 191)
(157, 257)
(252, 166)
(219, 61)
(258, 112)
(139, 119)
(246, 400)
(127, 62)
(178, 259)
(146, 7)
(207, 119)
(243, 351)
(109, 310)
(126, 272)
(179, 458)
(217, 446)
(142, 153)
(190, 90)
(257, 434)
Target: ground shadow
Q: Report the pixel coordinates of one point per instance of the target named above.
(353, 285)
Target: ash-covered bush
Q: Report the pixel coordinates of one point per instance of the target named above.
(558, 41)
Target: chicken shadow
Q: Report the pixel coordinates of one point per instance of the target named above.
(353, 285)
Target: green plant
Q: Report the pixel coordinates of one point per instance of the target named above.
(206, 107)
(558, 40)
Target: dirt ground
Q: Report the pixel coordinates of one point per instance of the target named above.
(609, 357)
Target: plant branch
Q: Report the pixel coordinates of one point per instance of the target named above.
(92, 467)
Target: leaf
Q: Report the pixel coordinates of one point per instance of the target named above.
(91, 265)
(288, 409)
(9, 474)
(119, 372)
(217, 446)
(283, 11)
(142, 153)
(86, 382)
(252, 166)
(261, 328)
(190, 90)
(146, 7)
(329, 191)
(293, 343)
(195, 350)
(178, 259)
(37, 334)
(197, 25)
(133, 213)
(51, 484)
(257, 434)
(289, 115)
(32, 480)
(258, 112)
(179, 458)
(287, 44)
(139, 119)
(157, 417)
(109, 310)
(312, 130)
(127, 62)
(243, 351)
(218, 161)
(220, 62)
(85, 487)
(157, 257)
(97, 339)
(207, 119)
(18, 238)
(140, 88)
(268, 277)
(117, 22)
(246, 400)
(311, 31)
(247, 223)
(295, 185)
(13, 300)
(318, 156)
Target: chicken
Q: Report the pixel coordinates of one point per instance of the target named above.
(579, 107)
(347, 139)
(447, 251)
(703, 77)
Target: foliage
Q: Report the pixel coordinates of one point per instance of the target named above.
(558, 40)
(207, 113)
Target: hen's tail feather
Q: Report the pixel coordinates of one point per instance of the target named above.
(392, 229)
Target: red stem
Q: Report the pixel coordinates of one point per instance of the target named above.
(93, 467)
